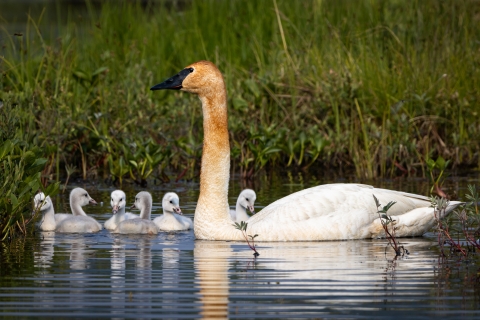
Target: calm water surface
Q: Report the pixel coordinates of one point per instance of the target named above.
(173, 276)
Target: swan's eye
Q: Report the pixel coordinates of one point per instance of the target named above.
(246, 199)
(136, 199)
(111, 199)
(171, 201)
(86, 195)
(191, 70)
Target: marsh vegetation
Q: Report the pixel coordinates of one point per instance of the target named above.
(371, 87)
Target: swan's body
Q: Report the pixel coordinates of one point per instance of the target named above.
(141, 225)
(327, 212)
(77, 222)
(118, 201)
(172, 220)
(246, 200)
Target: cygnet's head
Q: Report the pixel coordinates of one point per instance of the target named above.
(143, 200)
(171, 203)
(247, 199)
(41, 203)
(81, 196)
(118, 200)
(201, 77)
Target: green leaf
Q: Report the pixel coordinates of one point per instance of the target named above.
(377, 203)
(13, 200)
(134, 163)
(239, 104)
(99, 70)
(6, 148)
(430, 164)
(252, 85)
(440, 163)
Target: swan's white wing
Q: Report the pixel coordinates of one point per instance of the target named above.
(173, 222)
(59, 217)
(79, 224)
(335, 200)
(136, 226)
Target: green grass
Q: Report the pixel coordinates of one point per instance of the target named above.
(311, 84)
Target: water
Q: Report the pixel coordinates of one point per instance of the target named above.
(173, 276)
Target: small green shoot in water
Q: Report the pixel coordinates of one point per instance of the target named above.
(242, 226)
(387, 221)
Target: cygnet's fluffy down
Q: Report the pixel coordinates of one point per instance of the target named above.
(118, 201)
(78, 222)
(246, 200)
(141, 225)
(172, 220)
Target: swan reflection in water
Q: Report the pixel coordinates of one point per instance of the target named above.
(154, 275)
(73, 245)
(320, 275)
(72, 253)
(124, 295)
(42, 258)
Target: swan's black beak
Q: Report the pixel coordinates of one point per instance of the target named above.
(175, 82)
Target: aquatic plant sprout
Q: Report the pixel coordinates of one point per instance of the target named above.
(242, 226)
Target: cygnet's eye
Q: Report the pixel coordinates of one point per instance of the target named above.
(111, 199)
(171, 201)
(136, 199)
(191, 70)
(246, 199)
(86, 195)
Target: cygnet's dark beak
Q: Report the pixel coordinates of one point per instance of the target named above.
(133, 207)
(93, 201)
(175, 82)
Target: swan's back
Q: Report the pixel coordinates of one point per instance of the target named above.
(338, 211)
(136, 226)
(79, 224)
(173, 222)
(113, 222)
(59, 217)
(337, 199)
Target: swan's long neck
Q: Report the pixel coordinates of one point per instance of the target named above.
(167, 213)
(146, 211)
(120, 212)
(77, 209)
(212, 220)
(241, 212)
(48, 219)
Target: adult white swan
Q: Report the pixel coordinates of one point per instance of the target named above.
(141, 225)
(77, 222)
(326, 212)
(118, 201)
(171, 219)
(246, 200)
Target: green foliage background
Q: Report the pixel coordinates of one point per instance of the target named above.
(374, 87)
